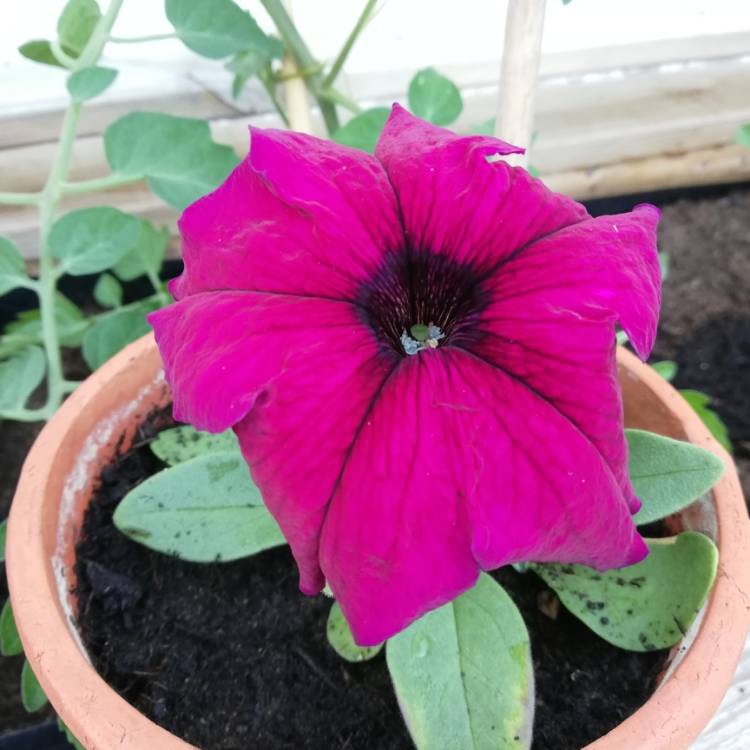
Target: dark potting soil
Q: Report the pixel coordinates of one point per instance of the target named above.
(705, 320)
(705, 317)
(232, 655)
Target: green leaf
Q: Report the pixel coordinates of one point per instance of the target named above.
(3, 532)
(71, 323)
(180, 444)
(12, 269)
(32, 695)
(108, 291)
(205, 509)
(463, 673)
(363, 130)
(434, 98)
(19, 377)
(113, 332)
(69, 736)
(77, 23)
(176, 154)
(218, 28)
(91, 240)
(146, 256)
(668, 475)
(247, 64)
(666, 368)
(664, 264)
(10, 641)
(484, 128)
(40, 50)
(743, 135)
(646, 606)
(88, 83)
(701, 406)
(342, 641)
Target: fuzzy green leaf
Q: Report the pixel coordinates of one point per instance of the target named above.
(668, 475)
(666, 368)
(88, 83)
(146, 256)
(342, 641)
(71, 323)
(180, 444)
(19, 377)
(3, 532)
(463, 673)
(434, 97)
(77, 23)
(108, 291)
(91, 240)
(218, 28)
(701, 403)
(363, 130)
(205, 509)
(743, 135)
(175, 154)
(486, 127)
(40, 50)
(32, 695)
(113, 332)
(10, 641)
(646, 606)
(12, 269)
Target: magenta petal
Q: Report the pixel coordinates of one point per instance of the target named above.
(458, 467)
(455, 202)
(222, 350)
(551, 322)
(608, 266)
(299, 216)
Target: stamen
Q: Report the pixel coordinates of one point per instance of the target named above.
(424, 337)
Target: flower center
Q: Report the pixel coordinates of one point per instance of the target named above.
(420, 300)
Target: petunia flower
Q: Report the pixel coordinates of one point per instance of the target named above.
(417, 352)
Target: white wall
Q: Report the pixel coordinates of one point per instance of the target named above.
(411, 33)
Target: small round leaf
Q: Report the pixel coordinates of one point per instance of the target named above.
(180, 444)
(363, 130)
(434, 97)
(10, 641)
(88, 83)
(32, 695)
(91, 240)
(342, 641)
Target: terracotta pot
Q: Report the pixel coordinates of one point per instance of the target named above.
(102, 416)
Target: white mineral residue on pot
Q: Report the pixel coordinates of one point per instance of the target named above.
(75, 483)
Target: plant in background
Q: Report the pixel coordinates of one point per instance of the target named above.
(437, 365)
(176, 156)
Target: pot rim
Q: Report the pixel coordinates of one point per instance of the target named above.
(101, 719)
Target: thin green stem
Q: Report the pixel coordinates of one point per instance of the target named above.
(61, 55)
(20, 199)
(47, 203)
(156, 283)
(338, 63)
(139, 39)
(98, 183)
(28, 415)
(336, 97)
(271, 91)
(47, 271)
(296, 46)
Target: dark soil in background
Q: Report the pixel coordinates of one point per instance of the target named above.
(705, 327)
(229, 656)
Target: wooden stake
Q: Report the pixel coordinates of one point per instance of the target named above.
(295, 92)
(524, 25)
